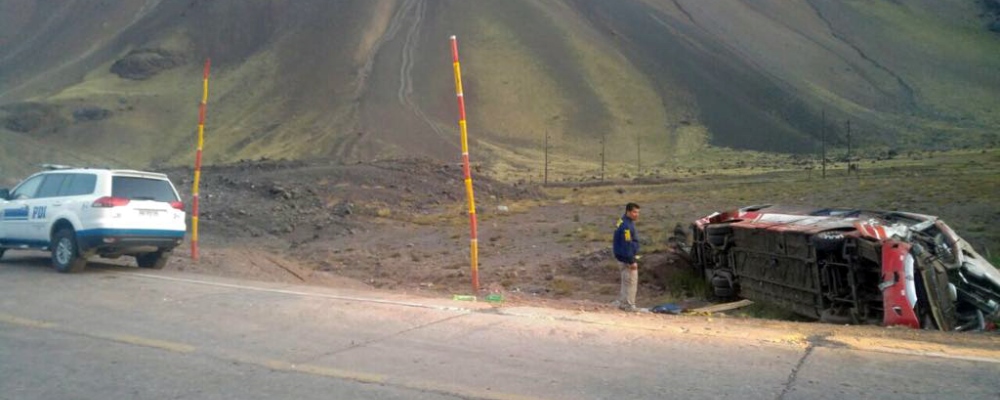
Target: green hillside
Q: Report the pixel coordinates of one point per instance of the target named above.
(354, 80)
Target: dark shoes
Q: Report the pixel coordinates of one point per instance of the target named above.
(628, 308)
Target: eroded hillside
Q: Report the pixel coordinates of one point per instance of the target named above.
(119, 82)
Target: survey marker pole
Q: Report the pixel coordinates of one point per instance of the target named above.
(197, 161)
(473, 243)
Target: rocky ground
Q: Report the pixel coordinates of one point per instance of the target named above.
(402, 225)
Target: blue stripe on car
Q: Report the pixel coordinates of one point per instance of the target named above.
(15, 214)
(23, 242)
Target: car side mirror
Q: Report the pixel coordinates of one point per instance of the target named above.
(4, 194)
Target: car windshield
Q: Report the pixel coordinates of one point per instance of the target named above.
(142, 189)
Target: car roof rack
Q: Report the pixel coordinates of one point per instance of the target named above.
(56, 166)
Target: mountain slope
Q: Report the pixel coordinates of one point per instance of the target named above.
(362, 79)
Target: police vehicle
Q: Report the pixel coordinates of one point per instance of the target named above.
(77, 213)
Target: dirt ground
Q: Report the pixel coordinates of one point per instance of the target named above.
(402, 225)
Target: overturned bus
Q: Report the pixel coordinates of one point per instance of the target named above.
(849, 266)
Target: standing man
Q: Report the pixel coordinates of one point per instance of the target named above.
(626, 249)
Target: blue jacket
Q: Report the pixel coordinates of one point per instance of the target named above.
(626, 242)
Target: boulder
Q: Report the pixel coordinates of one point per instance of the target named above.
(91, 113)
(142, 64)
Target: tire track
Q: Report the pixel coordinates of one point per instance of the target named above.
(715, 40)
(909, 97)
(347, 145)
(677, 4)
(408, 54)
(146, 8)
(414, 10)
(361, 83)
(872, 82)
(405, 92)
(737, 54)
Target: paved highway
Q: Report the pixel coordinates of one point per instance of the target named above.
(117, 332)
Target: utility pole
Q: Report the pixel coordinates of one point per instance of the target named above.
(545, 182)
(823, 135)
(603, 136)
(638, 156)
(849, 163)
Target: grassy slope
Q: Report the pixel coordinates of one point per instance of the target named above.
(45, 46)
(287, 78)
(21, 156)
(586, 91)
(962, 187)
(942, 51)
(518, 90)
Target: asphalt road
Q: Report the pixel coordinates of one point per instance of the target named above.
(115, 333)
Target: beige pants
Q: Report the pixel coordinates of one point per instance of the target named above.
(630, 284)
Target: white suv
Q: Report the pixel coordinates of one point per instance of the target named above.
(77, 213)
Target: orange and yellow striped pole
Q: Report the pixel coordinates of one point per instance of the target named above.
(197, 161)
(474, 242)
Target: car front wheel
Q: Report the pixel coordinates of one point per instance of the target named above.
(65, 254)
(155, 260)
